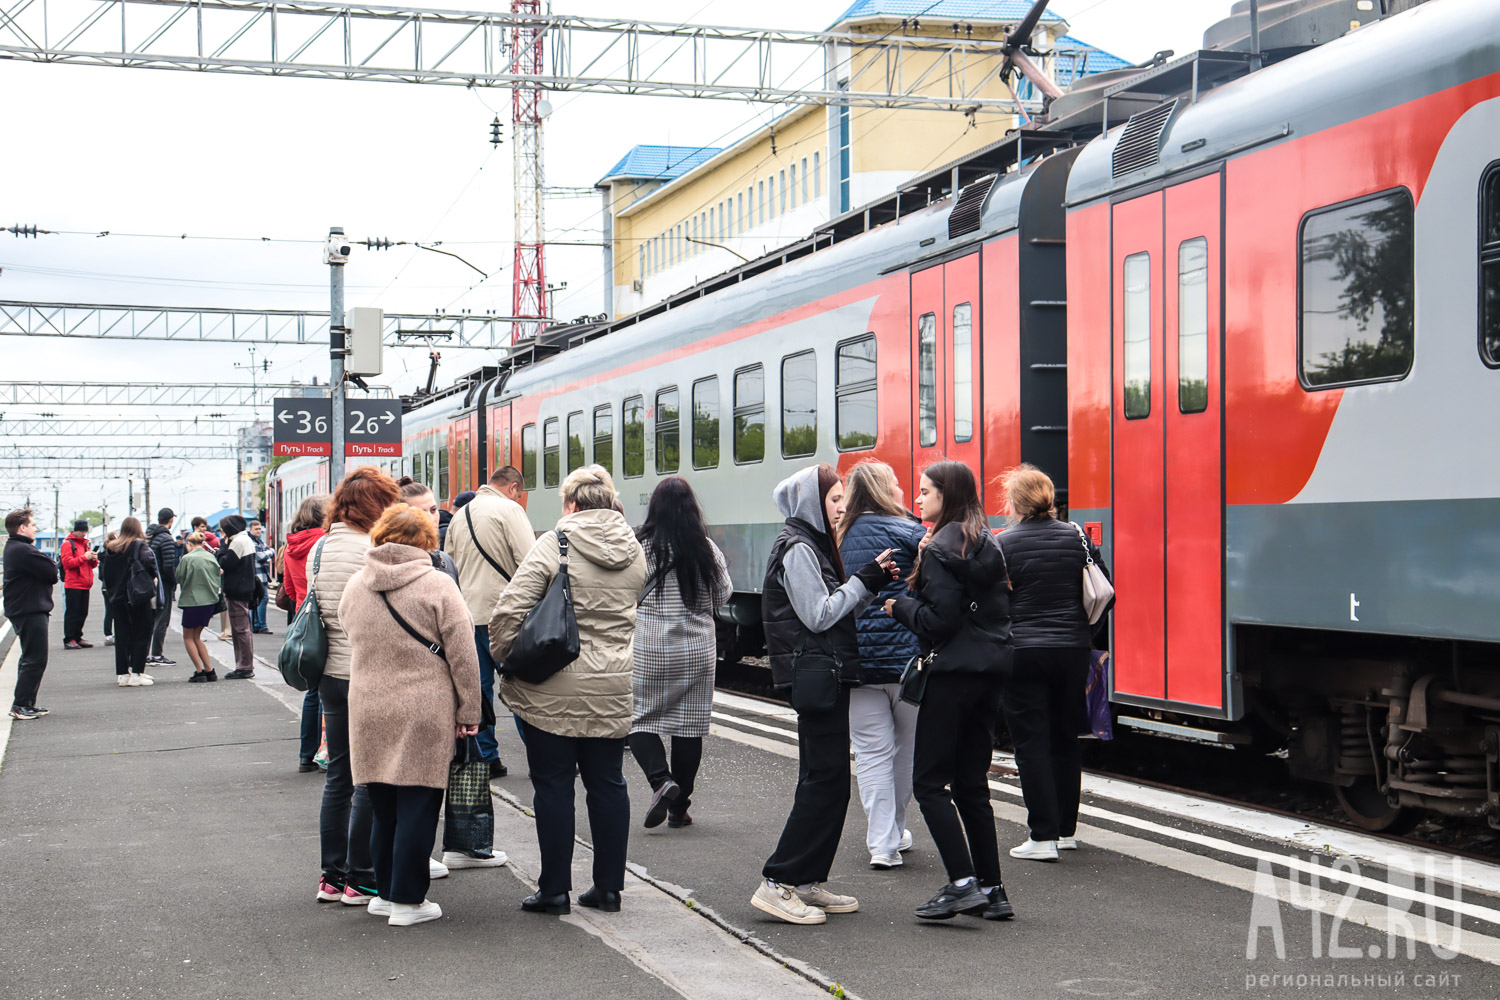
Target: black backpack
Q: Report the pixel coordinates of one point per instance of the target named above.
(139, 592)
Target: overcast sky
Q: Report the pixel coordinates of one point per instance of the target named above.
(130, 151)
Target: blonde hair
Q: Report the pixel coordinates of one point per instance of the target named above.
(1029, 493)
(870, 488)
(589, 488)
(196, 539)
(404, 524)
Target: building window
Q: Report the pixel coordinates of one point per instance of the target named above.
(855, 393)
(1192, 326)
(739, 213)
(963, 372)
(1489, 265)
(633, 445)
(710, 234)
(667, 450)
(576, 457)
(550, 461)
(1358, 275)
(844, 154)
(641, 261)
(793, 183)
(604, 438)
(1137, 336)
(817, 174)
(782, 188)
(927, 380)
(804, 180)
(706, 423)
(760, 187)
(771, 196)
(750, 414)
(799, 405)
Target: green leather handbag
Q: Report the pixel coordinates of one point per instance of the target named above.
(304, 653)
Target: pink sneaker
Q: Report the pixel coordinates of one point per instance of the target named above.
(358, 895)
(330, 890)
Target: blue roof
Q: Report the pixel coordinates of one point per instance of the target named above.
(1095, 60)
(660, 162)
(1007, 11)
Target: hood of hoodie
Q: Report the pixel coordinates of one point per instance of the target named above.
(602, 537)
(392, 566)
(300, 543)
(984, 566)
(797, 497)
(152, 530)
(232, 525)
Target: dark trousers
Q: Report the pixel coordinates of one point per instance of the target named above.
(651, 754)
(75, 613)
(489, 747)
(954, 740)
(810, 838)
(159, 626)
(109, 615)
(401, 838)
(1046, 710)
(552, 759)
(312, 732)
(344, 821)
(132, 638)
(31, 633)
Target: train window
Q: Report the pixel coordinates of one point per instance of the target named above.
(1192, 326)
(463, 470)
(927, 380)
(576, 457)
(528, 456)
(633, 445)
(442, 486)
(1489, 265)
(962, 402)
(706, 423)
(799, 405)
(1137, 336)
(431, 469)
(750, 414)
(1356, 291)
(668, 455)
(550, 458)
(604, 438)
(855, 392)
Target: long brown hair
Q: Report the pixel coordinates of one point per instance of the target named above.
(828, 478)
(961, 506)
(870, 489)
(130, 531)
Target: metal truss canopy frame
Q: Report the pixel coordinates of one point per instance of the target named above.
(12, 455)
(152, 428)
(207, 395)
(186, 324)
(346, 41)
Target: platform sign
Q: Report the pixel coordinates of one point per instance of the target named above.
(372, 428)
(300, 426)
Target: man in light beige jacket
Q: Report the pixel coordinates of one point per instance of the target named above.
(487, 539)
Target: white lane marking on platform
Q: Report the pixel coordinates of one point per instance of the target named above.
(753, 706)
(750, 724)
(4, 629)
(8, 671)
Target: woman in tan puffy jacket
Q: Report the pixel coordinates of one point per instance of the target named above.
(580, 716)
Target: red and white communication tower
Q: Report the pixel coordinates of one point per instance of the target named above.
(529, 278)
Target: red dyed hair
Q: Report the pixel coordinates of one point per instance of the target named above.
(361, 498)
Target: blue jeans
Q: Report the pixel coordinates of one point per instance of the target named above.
(258, 613)
(312, 730)
(488, 746)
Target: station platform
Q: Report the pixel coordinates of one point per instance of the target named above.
(159, 842)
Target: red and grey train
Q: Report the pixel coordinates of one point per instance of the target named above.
(1247, 318)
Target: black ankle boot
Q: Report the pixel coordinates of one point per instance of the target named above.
(999, 908)
(540, 903)
(599, 899)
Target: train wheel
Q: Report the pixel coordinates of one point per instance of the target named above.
(1367, 808)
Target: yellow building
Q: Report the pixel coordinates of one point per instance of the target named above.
(676, 215)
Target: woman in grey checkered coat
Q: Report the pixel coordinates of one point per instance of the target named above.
(675, 648)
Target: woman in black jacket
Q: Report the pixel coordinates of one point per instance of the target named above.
(959, 606)
(133, 623)
(1044, 698)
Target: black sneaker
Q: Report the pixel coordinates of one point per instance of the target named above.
(197, 677)
(39, 710)
(999, 908)
(22, 713)
(164, 660)
(239, 675)
(951, 900)
(306, 767)
(153, 659)
(212, 675)
(498, 768)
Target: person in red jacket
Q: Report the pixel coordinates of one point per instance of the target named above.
(306, 529)
(78, 562)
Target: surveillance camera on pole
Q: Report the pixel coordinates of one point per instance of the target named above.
(336, 250)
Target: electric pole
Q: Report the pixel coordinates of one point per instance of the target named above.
(337, 254)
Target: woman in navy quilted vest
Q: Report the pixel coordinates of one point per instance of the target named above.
(881, 725)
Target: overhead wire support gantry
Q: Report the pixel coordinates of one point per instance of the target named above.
(22, 456)
(152, 428)
(158, 394)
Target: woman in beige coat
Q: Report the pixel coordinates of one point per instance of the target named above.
(407, 702)
(580, 716)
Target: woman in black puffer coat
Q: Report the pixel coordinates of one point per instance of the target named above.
(959, 606)
(1044, 698)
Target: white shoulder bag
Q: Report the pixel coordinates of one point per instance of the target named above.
(1097, 590)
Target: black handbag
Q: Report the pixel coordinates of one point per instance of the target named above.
(548, 638)
(815, 681)
(914, 678)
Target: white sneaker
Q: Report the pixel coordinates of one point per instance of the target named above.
(828, 902)
(780, 901)
(1032, 850)
(1067, 843)
(436, 869)
(379, 907)
(406, 914)
(883, 861)
(123, 680)
(109, 640)
(458, 859)
(133, 680)
(145, 680)
(905, 844)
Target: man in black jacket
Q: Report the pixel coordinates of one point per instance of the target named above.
(28, 582)
(159, 537)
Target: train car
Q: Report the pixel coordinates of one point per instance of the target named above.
(1247, 325)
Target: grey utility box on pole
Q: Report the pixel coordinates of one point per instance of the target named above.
(366, 326)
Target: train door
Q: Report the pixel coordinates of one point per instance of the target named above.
(945, 360)
(1168, 457)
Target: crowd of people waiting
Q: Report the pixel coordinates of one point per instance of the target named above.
(902, 635)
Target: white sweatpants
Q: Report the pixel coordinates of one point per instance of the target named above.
(882, 728)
